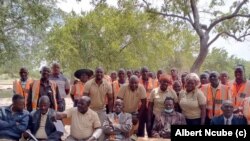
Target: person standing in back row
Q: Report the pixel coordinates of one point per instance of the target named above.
(62, 83)
(22, 86)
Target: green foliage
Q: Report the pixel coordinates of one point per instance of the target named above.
(115, 38)
(22, 27)
(219, 60)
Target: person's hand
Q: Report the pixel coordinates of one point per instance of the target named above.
(92, 138)
(56, 117)
(239, 115)
(25, 135)
(60, 107)
(165, 134)
(110, 130)
(156, 135)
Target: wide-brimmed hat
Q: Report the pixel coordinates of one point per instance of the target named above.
(79, 72)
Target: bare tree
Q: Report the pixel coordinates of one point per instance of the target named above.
(235, 23)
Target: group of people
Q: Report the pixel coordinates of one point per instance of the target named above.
(120, 106)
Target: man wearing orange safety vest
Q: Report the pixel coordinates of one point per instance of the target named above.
(22, 86)
(78, 88)
(41, 87)
(215, 93)
(148, 84)
(116, 85)
(240, 87)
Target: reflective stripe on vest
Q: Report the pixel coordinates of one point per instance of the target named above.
(79, 88)
(18, 89)
(36, 93)
(241, 93)
(214, 103)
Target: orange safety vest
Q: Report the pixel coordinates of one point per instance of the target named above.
(116, 88)
(149, 86)
(239, 92)
(18, 89)
(156, 83)
(79, 89)
(246, 109)
(214, 102)
(36, 93)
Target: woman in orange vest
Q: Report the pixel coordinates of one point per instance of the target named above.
(41, 87)
(22, 86)
(83, 75)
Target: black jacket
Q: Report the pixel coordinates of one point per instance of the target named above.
(50, 128)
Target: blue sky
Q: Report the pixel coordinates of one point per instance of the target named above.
(238, 49)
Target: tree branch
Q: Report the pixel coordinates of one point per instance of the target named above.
(242, 15)
(215, 38)
(240, 38)
(189, 19)
(171, 15)
(234, 14)
(196, 18)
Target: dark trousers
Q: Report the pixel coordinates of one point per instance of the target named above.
(196, 121)
(63, 106)
(142, 122)
(207, 121)
(75, 103)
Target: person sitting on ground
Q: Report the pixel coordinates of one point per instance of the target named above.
(85, 123)
(168, 117)
(13, 119)
(118, 124)
(228, 118)
(41, 124)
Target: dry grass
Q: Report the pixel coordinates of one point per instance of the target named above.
(6, 93)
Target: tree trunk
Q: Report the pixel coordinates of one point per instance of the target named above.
(202, 55)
